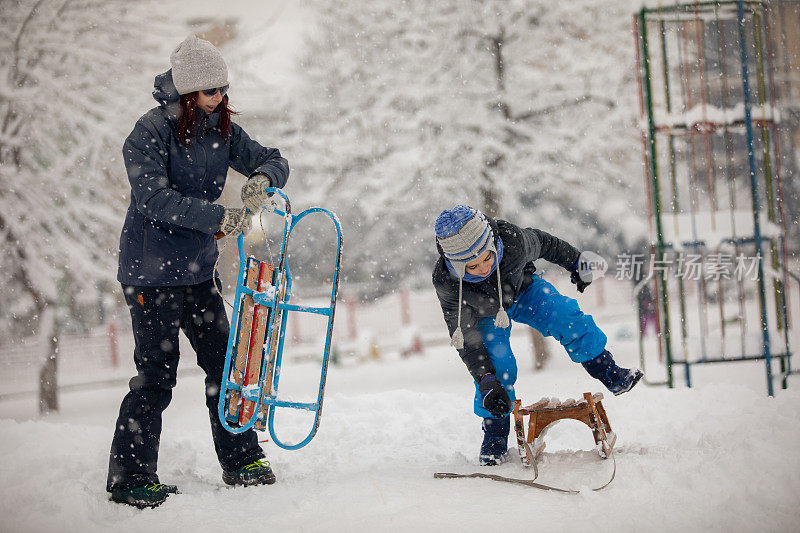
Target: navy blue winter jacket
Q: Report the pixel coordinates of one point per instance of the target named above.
(168, 236)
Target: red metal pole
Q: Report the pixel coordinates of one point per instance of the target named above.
(405, 314)
(294, 320)
(600, 293)
(351, 317)
(706, 128)
(112, 342)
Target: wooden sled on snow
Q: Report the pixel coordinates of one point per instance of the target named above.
(542, 414)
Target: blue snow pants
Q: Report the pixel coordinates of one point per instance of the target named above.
(543, 308)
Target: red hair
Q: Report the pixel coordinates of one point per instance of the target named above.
(187, 118)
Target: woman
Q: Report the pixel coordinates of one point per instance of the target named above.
(484, 278)
(177, 158)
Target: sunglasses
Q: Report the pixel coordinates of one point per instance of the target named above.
(211, 92)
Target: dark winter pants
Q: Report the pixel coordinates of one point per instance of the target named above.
(157, 314)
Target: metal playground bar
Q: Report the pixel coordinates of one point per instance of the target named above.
(719, 263)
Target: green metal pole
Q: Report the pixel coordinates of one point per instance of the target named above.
(770, 192)
(691, 7)
(674, 181)
(651, 139)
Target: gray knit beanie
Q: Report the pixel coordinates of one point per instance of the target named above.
(197, 65)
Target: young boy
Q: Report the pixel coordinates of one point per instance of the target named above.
(482, 258)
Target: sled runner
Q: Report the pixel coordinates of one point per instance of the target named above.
(249, 395)
(542, 415)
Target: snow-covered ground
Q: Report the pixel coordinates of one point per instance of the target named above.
(719, 457)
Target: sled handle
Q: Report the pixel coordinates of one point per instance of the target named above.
(287, 207)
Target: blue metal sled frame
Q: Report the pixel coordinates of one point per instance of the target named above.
(268, 299)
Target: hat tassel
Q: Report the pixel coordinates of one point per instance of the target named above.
(501, 320)
(457, 340)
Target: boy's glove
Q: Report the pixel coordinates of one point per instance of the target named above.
(583, 271)
(254, 195)
(494, 396)
(235, 219)
(575, 278)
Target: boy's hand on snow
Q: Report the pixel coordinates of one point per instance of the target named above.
(254, 194)
(236, 220)
(494, 396)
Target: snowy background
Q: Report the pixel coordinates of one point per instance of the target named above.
(388, 111)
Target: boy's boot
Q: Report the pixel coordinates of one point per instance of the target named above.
(495, 440)
(615, 378)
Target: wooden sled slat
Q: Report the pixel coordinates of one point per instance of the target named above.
(243, 338)
(272, 350)
(256, 346)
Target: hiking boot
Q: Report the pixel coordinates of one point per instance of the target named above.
(618, 380)
(149, 495)
(256, 473)
(495, 441)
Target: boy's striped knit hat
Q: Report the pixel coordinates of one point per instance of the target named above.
(463, 234)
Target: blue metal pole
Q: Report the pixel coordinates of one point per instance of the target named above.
(754, 190)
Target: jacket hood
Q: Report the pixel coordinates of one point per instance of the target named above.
(166, 94)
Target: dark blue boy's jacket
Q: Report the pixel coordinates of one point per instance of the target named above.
(168, 236)
(521, 247)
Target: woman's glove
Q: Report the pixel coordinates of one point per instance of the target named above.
(236, 220)
(254, 194)
(494, 396)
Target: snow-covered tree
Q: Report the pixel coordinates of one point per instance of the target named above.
(523, 108)
(69, 92)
